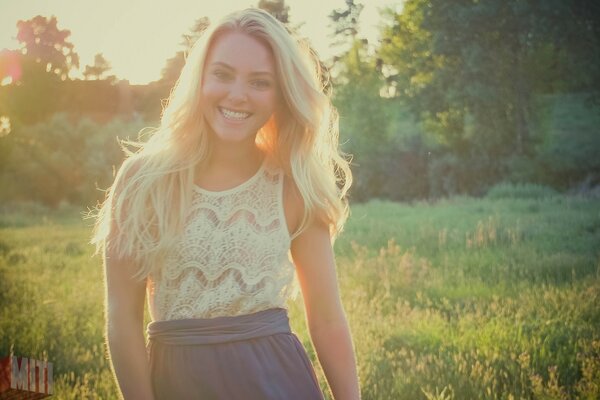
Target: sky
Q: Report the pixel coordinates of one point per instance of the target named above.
(138, 36)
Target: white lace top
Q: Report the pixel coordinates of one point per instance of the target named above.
(233, 258)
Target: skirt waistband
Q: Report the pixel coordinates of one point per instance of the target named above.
(219, 329)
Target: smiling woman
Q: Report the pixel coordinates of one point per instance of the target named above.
(238, 88)
(241, 188)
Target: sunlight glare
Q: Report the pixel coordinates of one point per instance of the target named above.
(5, 127)
(140, 29)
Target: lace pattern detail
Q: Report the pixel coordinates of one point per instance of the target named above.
(233, 257)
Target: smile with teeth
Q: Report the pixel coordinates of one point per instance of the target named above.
(234, 115)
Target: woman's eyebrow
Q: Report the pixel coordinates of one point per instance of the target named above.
(225, 65)
(221, 64)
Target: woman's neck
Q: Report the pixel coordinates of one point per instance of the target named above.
(234, 158)
(229, 162)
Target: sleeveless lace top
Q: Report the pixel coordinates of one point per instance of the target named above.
(233, 257)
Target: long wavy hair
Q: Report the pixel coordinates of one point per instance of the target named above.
(146, 206)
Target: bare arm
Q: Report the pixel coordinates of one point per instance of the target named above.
(125, 318)
(125, 299)
(314, 259)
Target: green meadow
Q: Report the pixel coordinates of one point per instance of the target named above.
(462, 298)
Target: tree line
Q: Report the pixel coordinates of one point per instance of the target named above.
(454, 98)
(459, 96)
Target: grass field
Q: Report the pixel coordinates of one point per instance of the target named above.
(493, 298)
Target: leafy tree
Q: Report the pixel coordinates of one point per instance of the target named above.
(428, 75)
(10, 66)
(59, 160)
(388, 154)
(386, 159)
(45, 58)
(97, 71)
(345, 22)
(43, 41)
(568, 154)
(471, 70)
(21, 100)
(170, 73)
(196, 31)
(573, 29)
(276, 8)
(172, 69)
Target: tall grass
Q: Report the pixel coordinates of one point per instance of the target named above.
(492, 298)
(51, 293)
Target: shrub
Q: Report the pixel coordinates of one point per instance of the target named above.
(61, 161)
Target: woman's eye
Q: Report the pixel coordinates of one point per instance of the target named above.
(222, 75)
(261, 84)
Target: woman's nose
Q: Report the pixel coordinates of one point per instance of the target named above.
(238, 91)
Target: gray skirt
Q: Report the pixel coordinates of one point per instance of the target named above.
(254, 356)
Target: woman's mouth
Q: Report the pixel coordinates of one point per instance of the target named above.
(233, 115)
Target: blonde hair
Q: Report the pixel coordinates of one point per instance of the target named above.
(145, 208)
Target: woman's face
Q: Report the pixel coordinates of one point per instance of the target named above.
(239, 87)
